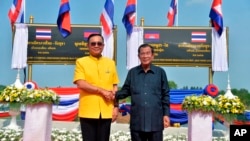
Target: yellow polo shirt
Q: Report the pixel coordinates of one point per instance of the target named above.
(101, 73)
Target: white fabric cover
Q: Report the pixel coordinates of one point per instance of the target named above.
(133, 42)
(219, 51)
(20, 44)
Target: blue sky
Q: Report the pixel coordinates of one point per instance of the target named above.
(236, 16)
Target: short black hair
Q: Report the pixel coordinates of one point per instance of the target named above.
(94, 34)
(145, 45)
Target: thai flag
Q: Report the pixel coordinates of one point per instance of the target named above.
(199, 37)
(43, 34)
(16, 12)
(152, 36)
(88, 32)
(172, 12)
(107, 17)
(63, 20)
(129, 16)
(216, 16)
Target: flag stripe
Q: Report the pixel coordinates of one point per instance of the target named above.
(107, 16)
(216, 16)
(86, 33)
(43, 34)
(198, 36)
(129, 16)
(16, 12)
(63, 20)
(151, 36)
(172, 12)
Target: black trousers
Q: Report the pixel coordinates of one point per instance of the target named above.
(146, 136)
(95, 129)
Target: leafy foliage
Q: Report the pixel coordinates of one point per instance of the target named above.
(172, 85)
(202, 103)
(40, 96)
(11, 94)
(230, 108)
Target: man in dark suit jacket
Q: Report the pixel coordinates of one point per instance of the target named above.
(147, 85)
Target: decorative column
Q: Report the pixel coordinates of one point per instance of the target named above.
(200, 126)
(38, 122)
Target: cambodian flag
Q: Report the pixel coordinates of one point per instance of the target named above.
(172, 12)
(16, 12)
(107, 17)
(88, 32)
(216, 16)
(129, 16)
(152, 36)
(63, 20)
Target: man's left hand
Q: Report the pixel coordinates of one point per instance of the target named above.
(166, 121)
(115, 114)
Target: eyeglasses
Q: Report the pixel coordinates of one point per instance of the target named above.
(96, 43)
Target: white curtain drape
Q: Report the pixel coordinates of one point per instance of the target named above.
(133, 42)
(19, 54)
(219, 51)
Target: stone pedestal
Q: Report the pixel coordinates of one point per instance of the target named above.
(200, 126)
(38, 122)
(14, 111)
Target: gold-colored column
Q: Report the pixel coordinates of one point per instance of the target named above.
(30, 65)
(210, 75)
(142, 21)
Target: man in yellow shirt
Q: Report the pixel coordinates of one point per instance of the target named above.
(96, 77)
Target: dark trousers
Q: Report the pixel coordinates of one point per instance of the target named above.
(146, 136)
(95, 129)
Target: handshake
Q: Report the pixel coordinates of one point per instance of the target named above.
(107, 95)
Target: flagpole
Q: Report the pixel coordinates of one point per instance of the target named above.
(177, 15)
(24, 9)
(136, 12)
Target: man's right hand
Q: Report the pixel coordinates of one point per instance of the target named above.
(108, 95)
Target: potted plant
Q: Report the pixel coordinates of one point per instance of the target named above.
(13, 96)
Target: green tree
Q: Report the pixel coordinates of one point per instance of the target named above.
(1, 88)
(172, 85)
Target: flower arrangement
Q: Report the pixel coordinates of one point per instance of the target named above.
(202, 103)
(66, 135)
(75, 135)
(40, 96)
(229, 107)
(12, 94)
(7, 134)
